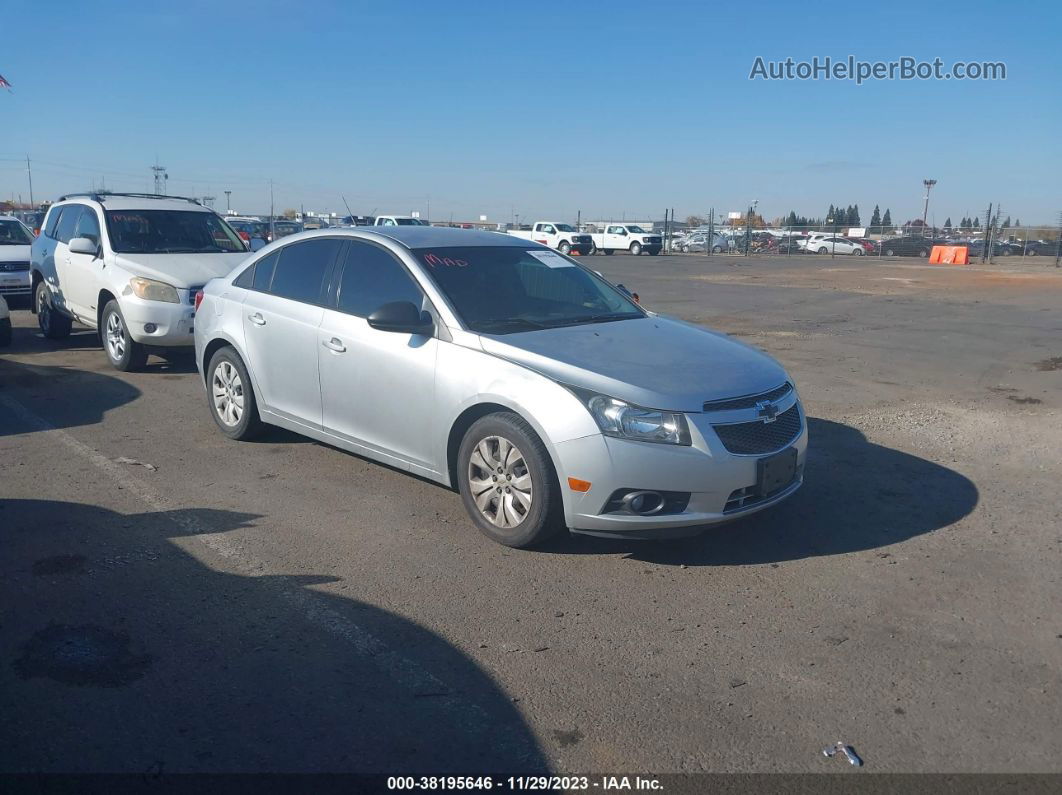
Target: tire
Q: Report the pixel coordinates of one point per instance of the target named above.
(54, 324)
(592, 251)
(123, 353)
(1030, 252)
(5, 332)
(824, 250)
(504, 441)
(857, 252)
(923, 253)
(565, 247)
(654, 252)
(889, 252)
(717, 249)
(636, 249)
(609, 252)
(229, 388)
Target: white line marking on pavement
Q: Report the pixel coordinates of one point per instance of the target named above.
(405, 671)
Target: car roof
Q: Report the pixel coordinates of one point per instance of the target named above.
(118, 202)
(425, 236)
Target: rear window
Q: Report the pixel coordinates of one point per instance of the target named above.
(299, 275)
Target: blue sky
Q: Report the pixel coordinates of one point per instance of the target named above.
(540, 109)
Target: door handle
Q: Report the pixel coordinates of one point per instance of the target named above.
(335, 344)
(257, 319)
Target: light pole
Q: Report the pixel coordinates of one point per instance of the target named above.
(929, 183)
(228, 205)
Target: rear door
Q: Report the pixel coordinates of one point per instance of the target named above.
(377, 387)
(281, 315)
(64, 233)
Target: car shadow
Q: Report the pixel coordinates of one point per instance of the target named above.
(65, 397)
(857, 495)
(130, 648)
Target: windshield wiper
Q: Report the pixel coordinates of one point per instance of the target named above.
(606, 318)
(508, 321)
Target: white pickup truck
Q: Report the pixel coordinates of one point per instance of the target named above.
(627, 237)
(563, 237)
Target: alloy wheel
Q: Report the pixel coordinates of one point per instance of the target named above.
(227, 390)
(115, 336)
(500, 482)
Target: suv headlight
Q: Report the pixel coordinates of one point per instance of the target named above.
(627, 421)
(151, 290)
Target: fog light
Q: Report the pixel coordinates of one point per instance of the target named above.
(150, 328)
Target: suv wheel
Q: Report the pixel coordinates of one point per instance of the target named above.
(636, 248)
(124, 354)
(564, 247)
(507, 481)
(231, 396)
(54, 324)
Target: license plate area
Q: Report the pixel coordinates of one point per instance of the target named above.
(775, 472)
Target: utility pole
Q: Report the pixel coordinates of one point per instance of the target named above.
(929, 183)
(209, 201)
(985, 242)
(29, 173)
(161, 178)
(228, 205)
(272, 228)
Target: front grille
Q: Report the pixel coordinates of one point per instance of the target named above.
(582, 239)
(758, 438)
(14, 267)
(191, 294)
(748, 401)
(652, 241)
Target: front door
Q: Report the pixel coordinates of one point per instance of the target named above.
(377, 387)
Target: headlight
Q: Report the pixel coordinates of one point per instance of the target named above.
(625, 421)
(151, 290)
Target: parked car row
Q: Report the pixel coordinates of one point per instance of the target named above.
(15, 241)
(492, 364)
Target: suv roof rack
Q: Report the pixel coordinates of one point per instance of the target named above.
(100, 195)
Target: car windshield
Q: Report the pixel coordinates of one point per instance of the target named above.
(170, 232)
(13, 233)
(565, 228)
(506, 289)
(636, 230)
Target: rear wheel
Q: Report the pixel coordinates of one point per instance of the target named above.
(123, 353)
(564, 247)
(717, 249)
(54, 324)
(507, 481)
(824, 250)
(231, 396)
(636, 249)
(857, 252)
(889, 252)
(923, 252)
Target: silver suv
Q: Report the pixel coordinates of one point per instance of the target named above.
(128, 265)
(499, 367)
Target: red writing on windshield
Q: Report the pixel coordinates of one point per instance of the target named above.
(434, 260)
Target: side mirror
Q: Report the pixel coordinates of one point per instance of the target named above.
(84, 245)
(401, 317)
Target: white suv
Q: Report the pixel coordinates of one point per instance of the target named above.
(128, 265)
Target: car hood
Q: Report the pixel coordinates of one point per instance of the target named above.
(181, 270)
(15, 253)
(655, 362)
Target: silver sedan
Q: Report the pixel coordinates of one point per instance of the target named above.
(505, 370)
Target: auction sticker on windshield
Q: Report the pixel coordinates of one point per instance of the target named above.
(551, 259)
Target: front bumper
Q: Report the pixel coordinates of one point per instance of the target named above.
(174, 324)
(15, 282)
(706, 469)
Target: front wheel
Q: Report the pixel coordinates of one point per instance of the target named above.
(593, 250)
(824, 250)
(124, 354)
(609, 252)
(653, 252)
(717, 249)
(564, 247)
(231, 396)
(54, 324)
(636, 249)
(507, 481)
(857, 252)
(889, 252)
(922, 252)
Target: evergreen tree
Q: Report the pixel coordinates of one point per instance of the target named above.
(1006, 223)
(977, 222)
(947, 223)
(886, 220)
(830, 214)
(875, 220)
(853, 217)
(1017, 222)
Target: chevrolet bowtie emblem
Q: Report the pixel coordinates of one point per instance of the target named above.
(767, 411)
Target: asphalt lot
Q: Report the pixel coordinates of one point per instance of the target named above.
(282, 605)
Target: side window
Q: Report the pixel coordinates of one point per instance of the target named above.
(549, 230)
(372, 277)
(262, 272)
(88, 225)
(299, 275)
(65, 230)
(53, 221)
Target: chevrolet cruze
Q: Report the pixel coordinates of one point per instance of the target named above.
(545, 395)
